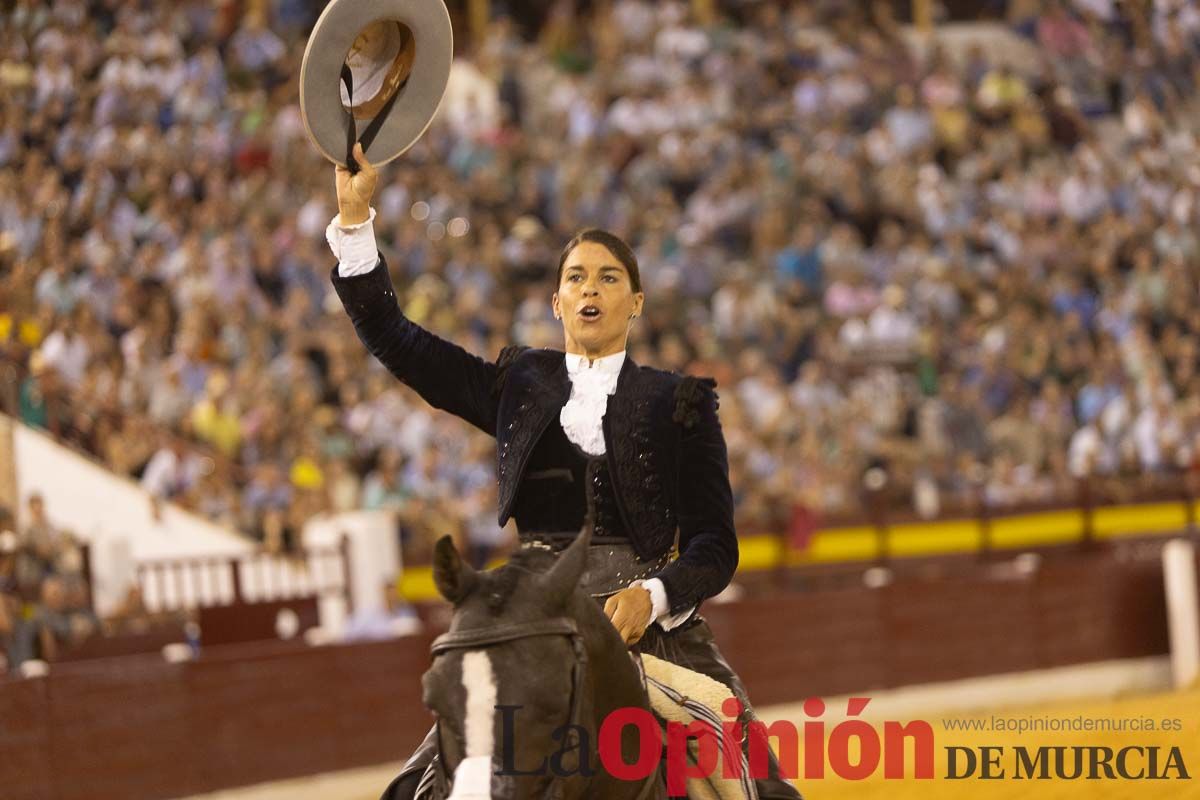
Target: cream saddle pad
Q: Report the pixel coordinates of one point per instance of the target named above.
(678, 694)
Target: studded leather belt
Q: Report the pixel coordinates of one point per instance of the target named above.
(612, 563)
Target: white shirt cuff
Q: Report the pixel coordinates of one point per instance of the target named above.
(660, 606)
(353, 245)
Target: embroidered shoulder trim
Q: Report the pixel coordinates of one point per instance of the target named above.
(505, 360)
(689, 393)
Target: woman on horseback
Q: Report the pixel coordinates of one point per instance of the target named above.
(579, 428)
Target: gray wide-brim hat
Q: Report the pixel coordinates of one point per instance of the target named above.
(396, 55)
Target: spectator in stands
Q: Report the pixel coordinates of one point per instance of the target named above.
(37, 391)
(172, 470)
(215, 418)
(61, 620)
(344, 487)
(265, 504)
(383, 488)
(1015, 226)
(43, 546)
(11, 622)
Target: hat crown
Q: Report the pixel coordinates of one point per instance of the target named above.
(397, 56)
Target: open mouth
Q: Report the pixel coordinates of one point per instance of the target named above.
(590, 312)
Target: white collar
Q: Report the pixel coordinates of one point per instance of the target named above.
(606, 365)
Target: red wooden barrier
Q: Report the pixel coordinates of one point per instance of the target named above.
(139, 727)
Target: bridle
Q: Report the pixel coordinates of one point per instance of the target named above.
(479, 638)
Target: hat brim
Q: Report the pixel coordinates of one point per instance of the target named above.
(326, 120)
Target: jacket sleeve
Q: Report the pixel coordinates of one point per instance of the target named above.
(708, 547)
(444, 374)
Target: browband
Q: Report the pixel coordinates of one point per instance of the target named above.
(482, 637)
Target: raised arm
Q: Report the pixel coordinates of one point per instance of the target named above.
(444, 374)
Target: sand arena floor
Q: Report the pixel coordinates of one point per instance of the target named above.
(1185, 706)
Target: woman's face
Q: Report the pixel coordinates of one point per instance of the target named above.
(595, 301)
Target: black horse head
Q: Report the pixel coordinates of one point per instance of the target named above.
(525, 676)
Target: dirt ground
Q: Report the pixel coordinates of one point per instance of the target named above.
(1182, 706)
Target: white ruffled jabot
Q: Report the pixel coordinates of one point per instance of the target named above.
(582, 417)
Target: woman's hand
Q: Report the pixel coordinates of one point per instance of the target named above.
(354, 191)
(630, 611)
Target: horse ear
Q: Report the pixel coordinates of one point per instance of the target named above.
(564, 576)
(454, 577)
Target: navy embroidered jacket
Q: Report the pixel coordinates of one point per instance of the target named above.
(666, 452)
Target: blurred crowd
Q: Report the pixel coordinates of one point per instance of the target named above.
(45, 603)
(46, 608)
(959, 269)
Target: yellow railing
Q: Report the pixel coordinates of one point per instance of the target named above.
(866, 544)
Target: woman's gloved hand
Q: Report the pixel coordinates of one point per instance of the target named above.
(354, 191)
(631, 611)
